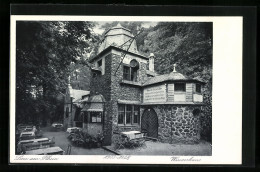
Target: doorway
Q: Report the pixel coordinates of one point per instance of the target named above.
(149, 123)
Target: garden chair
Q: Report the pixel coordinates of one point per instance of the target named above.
(141, 143)
(144, 131)
(119, 141)
(137, 143)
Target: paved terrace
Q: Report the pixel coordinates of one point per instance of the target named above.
(152, 147)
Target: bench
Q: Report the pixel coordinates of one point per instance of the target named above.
(33, 146)
(34, 140)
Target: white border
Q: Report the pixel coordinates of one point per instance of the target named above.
(227, 93)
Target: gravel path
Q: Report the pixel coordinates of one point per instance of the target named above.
(152, 148)
(161, 149)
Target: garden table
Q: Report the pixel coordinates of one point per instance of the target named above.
(135, 138)
(132, 134)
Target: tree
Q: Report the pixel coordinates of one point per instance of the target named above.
(44, 52)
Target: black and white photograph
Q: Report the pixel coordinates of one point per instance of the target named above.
(114, 88)
(123, 88)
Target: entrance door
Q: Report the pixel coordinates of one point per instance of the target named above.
(149, 123)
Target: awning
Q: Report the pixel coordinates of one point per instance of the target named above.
(130, 102)
(93, 107)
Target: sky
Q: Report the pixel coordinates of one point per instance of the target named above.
(97, 29)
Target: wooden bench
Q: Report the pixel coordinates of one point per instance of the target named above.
(33, 146)
(34, 140)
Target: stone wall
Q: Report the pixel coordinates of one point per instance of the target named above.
(101, 84)
(176, 123)
(206, 118)
(123, 92)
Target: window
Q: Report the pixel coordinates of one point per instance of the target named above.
(198, 88)
(136, 115)
(126, 73)
(121, 113)
(128, 114)
(130, 73)
(133, 74)
(95, 117)
(179, 87)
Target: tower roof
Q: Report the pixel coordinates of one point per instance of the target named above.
(118, 29)
(117, 36)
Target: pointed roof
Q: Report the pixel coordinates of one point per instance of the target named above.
(118, 27)
(95, 104)
(117, 36)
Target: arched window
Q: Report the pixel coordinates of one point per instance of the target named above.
(130, 71)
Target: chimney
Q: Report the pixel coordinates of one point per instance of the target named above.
(151, 62)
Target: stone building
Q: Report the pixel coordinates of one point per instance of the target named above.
(127, 94)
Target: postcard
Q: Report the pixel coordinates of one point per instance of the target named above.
(126, 89)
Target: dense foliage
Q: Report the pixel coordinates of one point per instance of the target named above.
(189, 46)
(44, 52)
